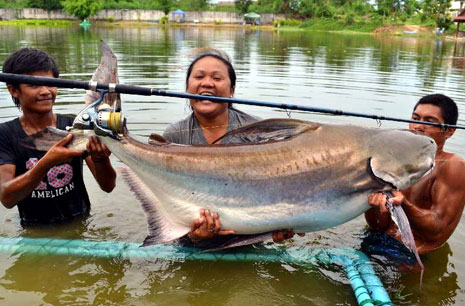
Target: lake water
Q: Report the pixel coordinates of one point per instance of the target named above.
(358, 73)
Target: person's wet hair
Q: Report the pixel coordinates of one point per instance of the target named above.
(218, 54)
(448, 107)
(28, 61)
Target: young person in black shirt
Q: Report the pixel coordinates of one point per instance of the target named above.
(46, 187)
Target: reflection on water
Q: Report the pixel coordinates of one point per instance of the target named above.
(360, 73)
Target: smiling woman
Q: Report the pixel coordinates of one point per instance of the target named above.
(212, 74)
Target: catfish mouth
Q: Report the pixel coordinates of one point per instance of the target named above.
(428, 172)
(391, 185)
(379, 180)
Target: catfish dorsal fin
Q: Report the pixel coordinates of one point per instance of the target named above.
(161, 229)
(268, 130)
(157, 139)
(106, 72)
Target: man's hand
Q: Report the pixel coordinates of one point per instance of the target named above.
(207, 226)
(98, 151)
(379, 200)
(398, 198)
(100, 165)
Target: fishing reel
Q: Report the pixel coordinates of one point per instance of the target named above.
(101, 118)
(113, 121)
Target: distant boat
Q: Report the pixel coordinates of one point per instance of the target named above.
(411, 32)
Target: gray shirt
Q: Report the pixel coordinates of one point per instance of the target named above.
(188, 131)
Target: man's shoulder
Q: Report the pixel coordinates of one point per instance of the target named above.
(452, 168)
(453, 160)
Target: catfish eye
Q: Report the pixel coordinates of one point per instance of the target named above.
(409, 168)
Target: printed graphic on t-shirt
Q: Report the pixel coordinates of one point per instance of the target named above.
(59, 177)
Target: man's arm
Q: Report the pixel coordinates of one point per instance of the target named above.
(432, 225)
(377, 217)
(436, 224)
(99, 164)
(14, 189)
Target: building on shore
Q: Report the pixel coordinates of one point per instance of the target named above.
(225, 2)
(456, 8)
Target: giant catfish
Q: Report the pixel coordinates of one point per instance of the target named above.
(293, 174)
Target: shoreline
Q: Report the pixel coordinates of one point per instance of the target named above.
(392, 30)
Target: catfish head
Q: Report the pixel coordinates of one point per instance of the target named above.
(401, 157)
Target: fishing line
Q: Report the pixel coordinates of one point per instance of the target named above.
(15, 79)
(288, 112)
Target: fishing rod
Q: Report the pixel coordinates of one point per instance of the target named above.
(16, 79)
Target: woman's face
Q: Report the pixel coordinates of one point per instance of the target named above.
(209, 77)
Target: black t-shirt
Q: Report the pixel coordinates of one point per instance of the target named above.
(61, 195)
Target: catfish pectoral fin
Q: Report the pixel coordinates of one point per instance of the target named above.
(268, 130)
(242, 240)
(156, 139)
(43, 140)
(161, 228)
(400, 219)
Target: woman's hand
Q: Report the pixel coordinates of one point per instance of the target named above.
(207, 226)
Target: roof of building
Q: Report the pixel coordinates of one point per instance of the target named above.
(460, 17)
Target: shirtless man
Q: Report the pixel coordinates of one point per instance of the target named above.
(435, 204)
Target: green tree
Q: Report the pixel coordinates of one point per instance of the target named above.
(361, 7)
(438, 10)
(386, 7)
(193, 5)
(308, 8)
(45, 4)
(287, 7)
(397, 7)
(411, 7)
(165, 6)
(82, 9)
(242, 6)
